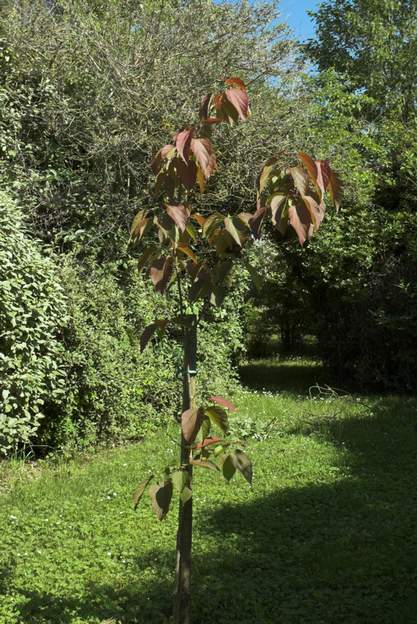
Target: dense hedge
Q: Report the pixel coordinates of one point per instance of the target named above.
(32, 317)
(71, 370)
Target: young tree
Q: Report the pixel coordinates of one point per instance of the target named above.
(195, 254)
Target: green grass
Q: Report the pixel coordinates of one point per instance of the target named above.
(328, 534)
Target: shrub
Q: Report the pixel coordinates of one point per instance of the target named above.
(32, 317)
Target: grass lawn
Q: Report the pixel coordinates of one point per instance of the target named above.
(328, 534)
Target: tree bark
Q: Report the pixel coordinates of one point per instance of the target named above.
(182, 596)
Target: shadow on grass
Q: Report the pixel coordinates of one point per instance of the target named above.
(290, 376)
(320, 554)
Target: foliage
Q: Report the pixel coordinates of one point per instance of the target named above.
(33, 315)
(333, 506)
(99, 88)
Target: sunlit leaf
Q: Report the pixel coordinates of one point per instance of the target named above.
(182, 142)
(309, 164)
(191, 421)
(240, 101)
(219, 400)
(188, 252)
(186, 494)
(164, 153)
(218, 416)
(266, 171)
(179, 214)
(234, 81)
(204, 155)
(300, 220)
(230, 227)
(207, 442)
(180, 478)
(300, 179)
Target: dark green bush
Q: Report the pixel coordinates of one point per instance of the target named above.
(363, 275)
(32, 317)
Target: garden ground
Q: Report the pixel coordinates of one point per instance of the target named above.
(327, 534)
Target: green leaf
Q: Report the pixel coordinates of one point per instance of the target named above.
(228, 467)
(230, 227)
(138, 493)
(257, 282)
(180, 479)
(186, 494)
(242, 462)
(267, 169)
(218, 416)
(205, 427)
(161, 495)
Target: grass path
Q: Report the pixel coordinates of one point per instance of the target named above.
(327, 535)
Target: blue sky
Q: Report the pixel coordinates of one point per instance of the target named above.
(294, 12)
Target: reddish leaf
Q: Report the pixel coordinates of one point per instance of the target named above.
(187, 173)
(198, 218)
(300, 220)
(235, 82)
(207, 442)
(240, 101)
(160, 157)
(191, 421)
(204, 464)
(188, 252)
(182, 142)
(160, 272)
(300, 179)
(309, 164)
(277, 208)
(204, 155)
(179, 214)
(223, 402)
(316, 210)
(335, 189)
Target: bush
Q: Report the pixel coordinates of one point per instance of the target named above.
(32, 317)
(364, 297)
(115, 393)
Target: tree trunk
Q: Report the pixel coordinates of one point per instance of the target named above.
(182, 596)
